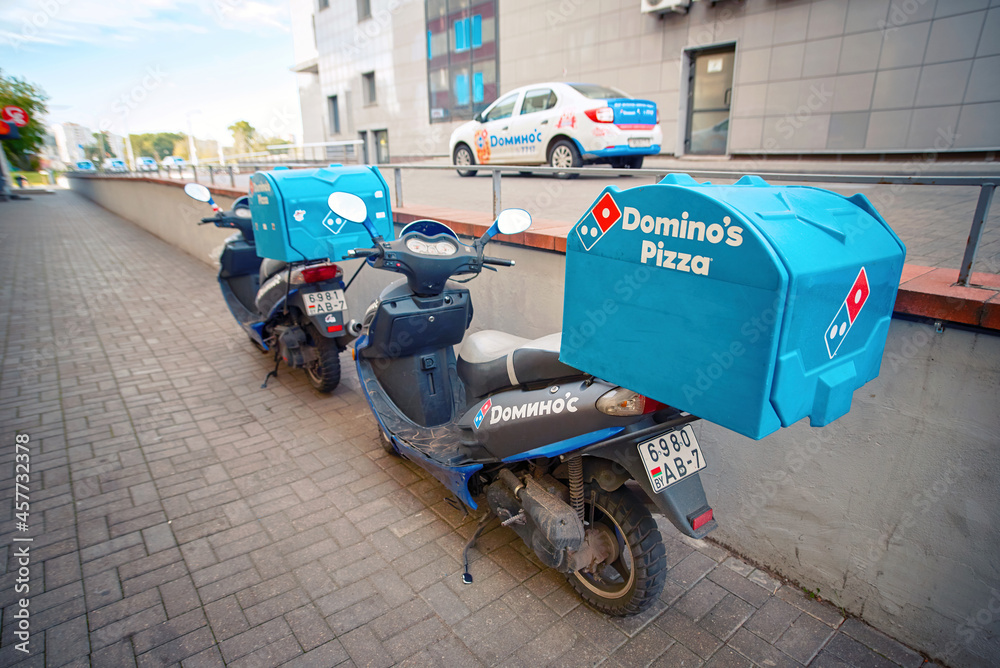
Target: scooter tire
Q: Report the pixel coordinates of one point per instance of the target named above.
(324, 371)
(639, 542)
(386, 445)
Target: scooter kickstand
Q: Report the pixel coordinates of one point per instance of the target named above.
(273, 372)
(467, 576)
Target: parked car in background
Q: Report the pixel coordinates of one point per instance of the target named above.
(145, 164)
(562, 125)
(113, 165)
(85, 166)
(173, 161)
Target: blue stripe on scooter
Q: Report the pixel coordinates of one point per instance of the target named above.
(561, 447)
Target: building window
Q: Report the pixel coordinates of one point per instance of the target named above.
(462, 58)
(334, 115)
(368, 88)
(323, 4)
(364, 9)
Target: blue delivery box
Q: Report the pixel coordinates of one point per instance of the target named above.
(751, 305)
(292, 221)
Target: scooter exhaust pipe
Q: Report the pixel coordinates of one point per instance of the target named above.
(553, 516)
(354, 327)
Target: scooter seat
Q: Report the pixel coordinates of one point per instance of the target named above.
(491, 360)
(269, 268)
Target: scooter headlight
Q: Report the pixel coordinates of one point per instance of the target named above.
(620, 402)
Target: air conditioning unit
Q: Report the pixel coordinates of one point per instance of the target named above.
(664, 6)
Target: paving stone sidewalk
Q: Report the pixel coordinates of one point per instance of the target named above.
(182, 515)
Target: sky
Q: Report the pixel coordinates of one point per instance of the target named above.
(157, 65)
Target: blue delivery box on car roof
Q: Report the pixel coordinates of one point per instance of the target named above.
(293, 222)
(751, 305)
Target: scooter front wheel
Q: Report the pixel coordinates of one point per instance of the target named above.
(634, 578)
(324, 371)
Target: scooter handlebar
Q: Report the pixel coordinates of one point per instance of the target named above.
(498, 261)
(361, 252)
(205, 221)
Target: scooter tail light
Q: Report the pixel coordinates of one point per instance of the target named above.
(702, 519)
(316, 273)
(620, 402)
(601, 115)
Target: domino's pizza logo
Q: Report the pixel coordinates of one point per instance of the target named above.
(482, 413)
(848, 313)
(598, 221)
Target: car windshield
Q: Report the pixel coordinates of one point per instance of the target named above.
(595, 92)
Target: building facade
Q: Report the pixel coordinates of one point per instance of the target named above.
(730, 77)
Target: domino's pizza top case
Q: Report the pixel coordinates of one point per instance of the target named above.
(293, 222)
(751, 305)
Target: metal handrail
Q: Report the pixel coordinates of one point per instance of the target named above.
(986, 185)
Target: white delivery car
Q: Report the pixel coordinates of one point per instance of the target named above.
(560, 125)
(145, 164)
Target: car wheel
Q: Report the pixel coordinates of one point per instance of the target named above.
(463, 157)
(632, 162)
(564, 154)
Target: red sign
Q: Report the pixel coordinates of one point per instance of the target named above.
(858, 295)
(15, 115)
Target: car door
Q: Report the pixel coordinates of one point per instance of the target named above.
(531, 129)
(496, 126)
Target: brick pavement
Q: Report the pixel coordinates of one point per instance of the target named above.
(182, 515)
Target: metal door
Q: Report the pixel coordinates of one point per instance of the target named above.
(710, 94)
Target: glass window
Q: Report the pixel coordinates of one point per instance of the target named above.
(477, 31)
(334, 115)
(364, 9)
(462, 57)
(598, 92)
(461, 35)
(462, 89)
(538, 100)
(368, 87)
(502, 109)
(323, 4)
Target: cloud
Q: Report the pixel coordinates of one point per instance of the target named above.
(67, 22)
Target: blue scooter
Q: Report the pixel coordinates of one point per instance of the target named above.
(553, 450)
(296, 309)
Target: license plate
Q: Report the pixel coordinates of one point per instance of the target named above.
(324, 302)
(640, 142)
(671, 457)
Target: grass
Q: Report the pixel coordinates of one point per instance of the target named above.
(34, 178)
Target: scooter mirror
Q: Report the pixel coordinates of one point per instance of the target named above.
(198, 192)
(348, 206)
(513, 221)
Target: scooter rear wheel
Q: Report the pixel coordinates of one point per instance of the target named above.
(635, 578)
(324, 371)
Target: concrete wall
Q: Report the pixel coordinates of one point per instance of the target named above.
(890, 512)
(163, 210)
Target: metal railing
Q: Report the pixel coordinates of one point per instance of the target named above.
(986, 185)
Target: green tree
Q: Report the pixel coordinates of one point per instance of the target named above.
(99, 149)
(31, 98)
(244, 136)
(157, 145)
